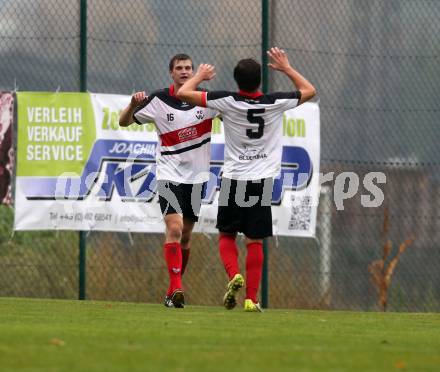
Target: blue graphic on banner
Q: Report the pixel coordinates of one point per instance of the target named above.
(129, 168)
(78, 188)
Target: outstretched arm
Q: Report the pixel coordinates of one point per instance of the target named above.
(188, 92)
(126, 115)
(280, 62)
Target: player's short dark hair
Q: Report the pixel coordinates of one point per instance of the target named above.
(247, 74)
(180, 57)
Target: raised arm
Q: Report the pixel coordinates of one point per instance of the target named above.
(126, 115)
(188, 92)
(280, 62)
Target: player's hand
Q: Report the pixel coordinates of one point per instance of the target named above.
(279, 60)
(206, 72)
(138, 98)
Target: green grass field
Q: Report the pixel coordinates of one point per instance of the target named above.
(59, 335)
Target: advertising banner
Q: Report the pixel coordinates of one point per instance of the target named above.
(6, 148)
(77, 169)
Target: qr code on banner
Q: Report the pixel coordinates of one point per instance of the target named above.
(300, 213)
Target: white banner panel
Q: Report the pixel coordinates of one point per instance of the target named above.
(78, 170)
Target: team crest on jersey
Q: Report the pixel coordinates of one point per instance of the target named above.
(187, 134)
(199, 114)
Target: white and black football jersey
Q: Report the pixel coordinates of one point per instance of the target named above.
(184, 134)
(253, 130)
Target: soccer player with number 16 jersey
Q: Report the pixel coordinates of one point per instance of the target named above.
(182, 157)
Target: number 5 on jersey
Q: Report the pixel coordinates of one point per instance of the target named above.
(252, 118)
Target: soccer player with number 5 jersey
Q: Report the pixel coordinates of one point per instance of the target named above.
(253, 149)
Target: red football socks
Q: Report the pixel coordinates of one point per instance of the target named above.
(229, 254)
(173, 258)
(185, 257)
(254, 269)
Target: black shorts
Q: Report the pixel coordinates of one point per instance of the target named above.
(181, 198)
(236, 212)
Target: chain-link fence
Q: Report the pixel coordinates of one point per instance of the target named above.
(375, 64)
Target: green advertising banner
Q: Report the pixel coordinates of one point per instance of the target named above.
(56, 133)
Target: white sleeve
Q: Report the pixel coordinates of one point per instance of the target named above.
(287, 104)
(147, 112)
(217, 100)
(285, 100)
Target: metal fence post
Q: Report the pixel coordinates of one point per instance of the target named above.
(83, 47)
(83, 88)
(264, 61)
(82, 266)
